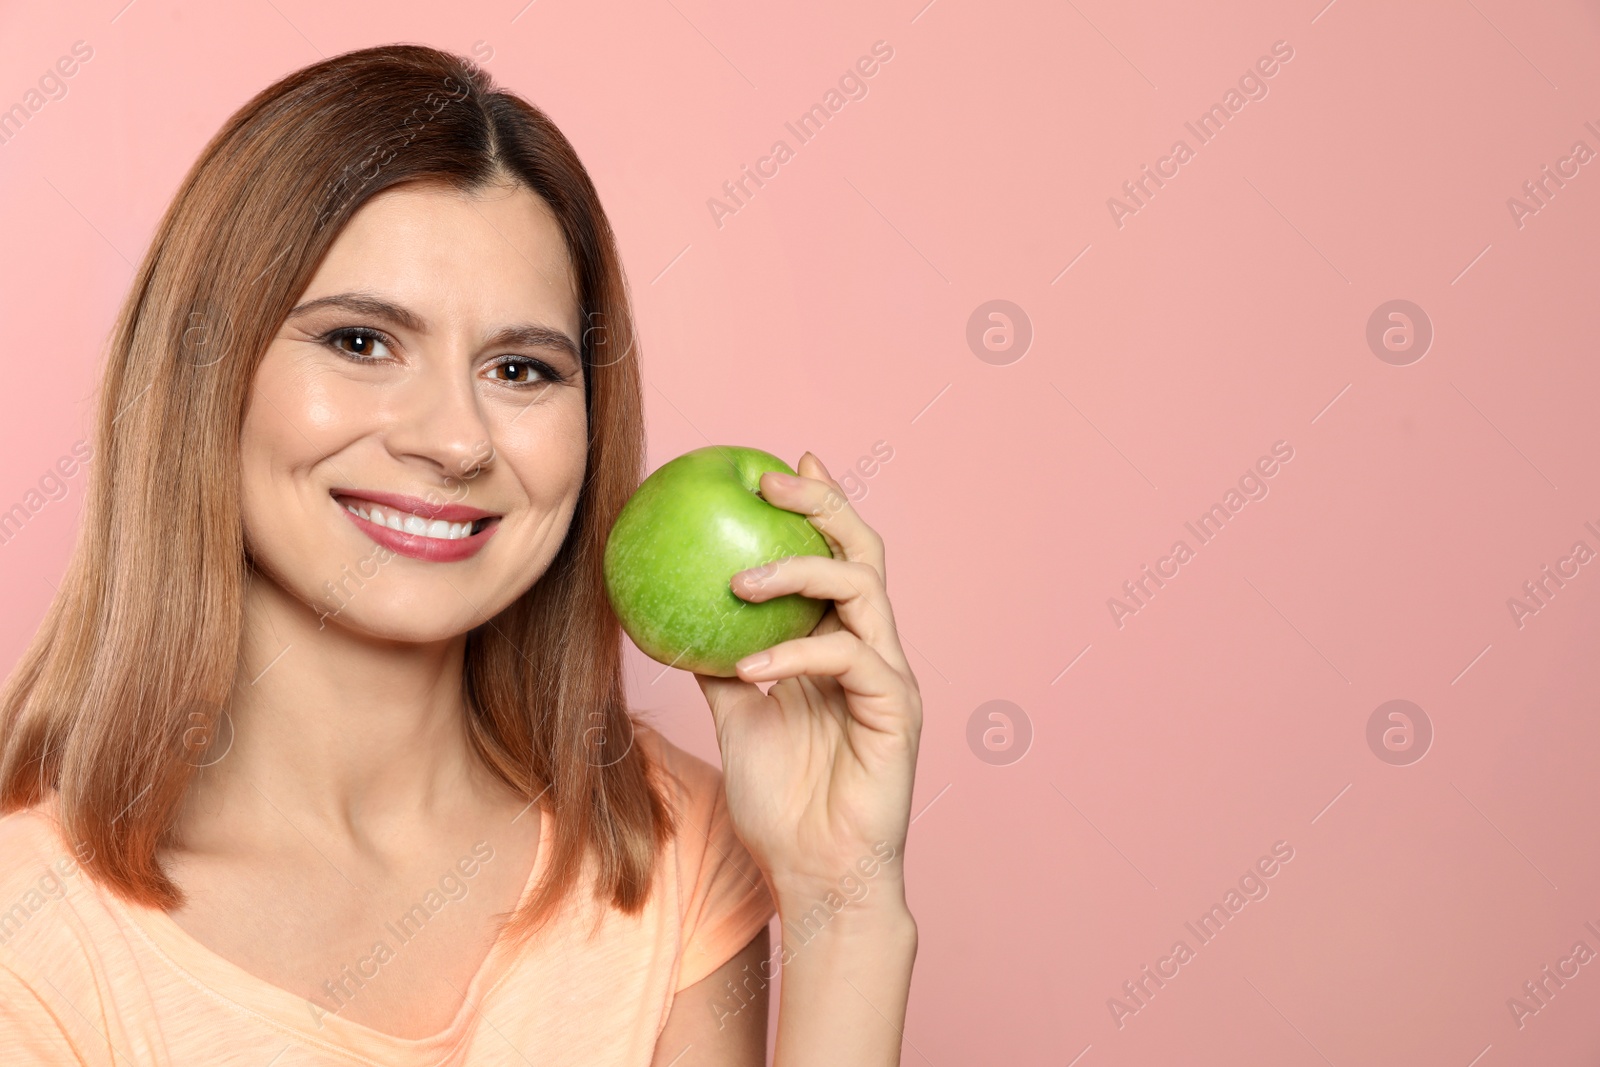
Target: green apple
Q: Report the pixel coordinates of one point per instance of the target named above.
(679, 540)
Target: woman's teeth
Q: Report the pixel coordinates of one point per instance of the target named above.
(412, 524)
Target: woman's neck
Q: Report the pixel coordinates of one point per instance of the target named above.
(329, 728)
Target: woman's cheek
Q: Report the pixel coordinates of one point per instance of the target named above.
(331, 410)
(548, 446)
(300, 410)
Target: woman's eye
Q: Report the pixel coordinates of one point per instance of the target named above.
(519, 371)
(358, 342)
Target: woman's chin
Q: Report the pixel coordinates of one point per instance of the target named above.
(414, 623)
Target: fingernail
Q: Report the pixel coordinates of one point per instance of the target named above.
(824, 466)
(787, 481)
(754, 664)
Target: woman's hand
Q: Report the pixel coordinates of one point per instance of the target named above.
(819, 769)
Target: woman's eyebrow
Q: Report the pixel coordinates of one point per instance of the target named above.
(529, 335)
(362, 304)
(523, 335)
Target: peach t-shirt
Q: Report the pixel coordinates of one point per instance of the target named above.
(88, 979)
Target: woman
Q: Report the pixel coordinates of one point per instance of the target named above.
(322, 754)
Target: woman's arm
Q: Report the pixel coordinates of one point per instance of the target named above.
(844, 991)
(721, 1020)
(843, 999)
(818, 772)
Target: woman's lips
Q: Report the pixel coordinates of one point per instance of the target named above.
(453, 533)
(414, 505)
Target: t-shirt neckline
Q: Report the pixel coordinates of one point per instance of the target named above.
(221, 978)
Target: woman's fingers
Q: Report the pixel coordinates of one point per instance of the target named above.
(814, 494)
(727, 698)
(841, 655)
(856, 590)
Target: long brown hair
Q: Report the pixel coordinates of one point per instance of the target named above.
(137, 657)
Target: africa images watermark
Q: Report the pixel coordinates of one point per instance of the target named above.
(357, 176)
(353, 978)
(1252, 85)
(51, 885)
(852, 85)
(1252, 886)
(52, 85)
(1538, 591)
(343, 593)
(1252, 485)
(800, 931)
(854, 478)
(52, 486)
(1539, 991)
(854, 486)
(1541, 190)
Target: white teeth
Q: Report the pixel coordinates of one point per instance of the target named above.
(413, 524)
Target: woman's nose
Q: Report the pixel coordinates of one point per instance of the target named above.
(439, 420)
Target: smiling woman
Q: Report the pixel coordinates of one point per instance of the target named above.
(430, 376)
(347, 354)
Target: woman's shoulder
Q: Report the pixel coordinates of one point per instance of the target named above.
(694, 783)
(38, 873)
(720, 891)
(32, 848)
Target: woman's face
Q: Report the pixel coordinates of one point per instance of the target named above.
(428, 379)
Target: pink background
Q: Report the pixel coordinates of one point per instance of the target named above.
(1228, 313)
